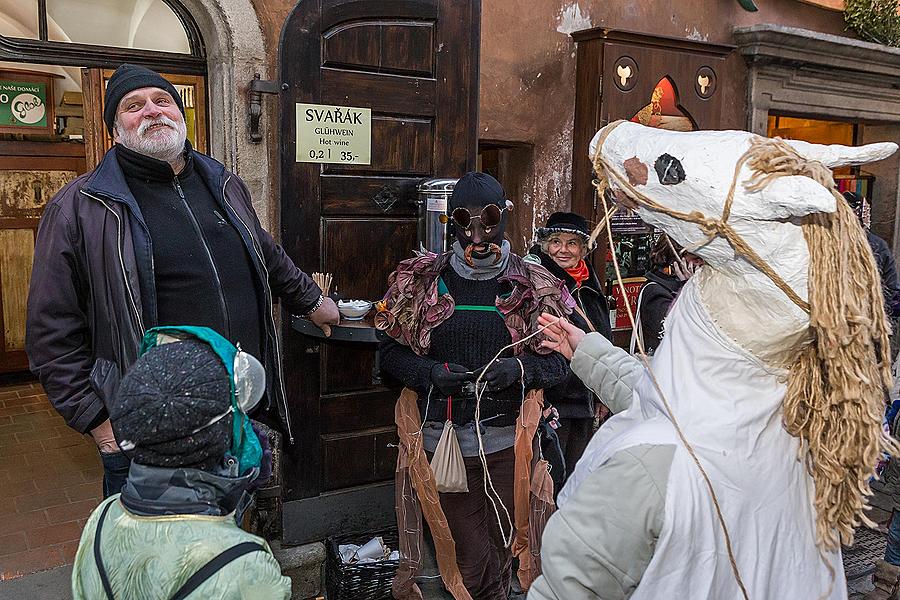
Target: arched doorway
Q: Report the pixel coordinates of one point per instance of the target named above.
(62, 52)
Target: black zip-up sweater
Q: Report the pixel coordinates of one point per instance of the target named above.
(202, 271)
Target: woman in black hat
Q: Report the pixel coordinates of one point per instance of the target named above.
(562, 245)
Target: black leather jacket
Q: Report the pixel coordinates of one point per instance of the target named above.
(92, 294)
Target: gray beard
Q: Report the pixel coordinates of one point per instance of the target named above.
(165, 148)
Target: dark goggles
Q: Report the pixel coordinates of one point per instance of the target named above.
(490, 217)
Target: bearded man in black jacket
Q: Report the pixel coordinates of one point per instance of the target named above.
(157, 234)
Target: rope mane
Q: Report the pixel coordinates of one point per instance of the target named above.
(835, 399)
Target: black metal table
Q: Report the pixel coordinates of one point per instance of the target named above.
(362, 331)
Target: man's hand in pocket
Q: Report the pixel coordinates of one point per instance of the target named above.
(104, 438)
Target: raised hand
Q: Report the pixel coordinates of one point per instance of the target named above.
(561, 336)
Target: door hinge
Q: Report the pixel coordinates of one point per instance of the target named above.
(257, 88)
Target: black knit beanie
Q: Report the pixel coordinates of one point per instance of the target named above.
(128, 78)
(171, 391)
(565, 222)
(477, 189)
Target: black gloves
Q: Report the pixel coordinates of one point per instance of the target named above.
(449, 379)
(502, 373)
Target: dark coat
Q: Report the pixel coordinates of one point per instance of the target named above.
(890, 285)
(571, 398)
(656, 298)
(92, 291)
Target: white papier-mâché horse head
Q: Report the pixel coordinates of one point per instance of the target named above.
(692, 172)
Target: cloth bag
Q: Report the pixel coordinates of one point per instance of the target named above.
(447, 463)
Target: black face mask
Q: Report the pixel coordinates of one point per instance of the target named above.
(479, 227)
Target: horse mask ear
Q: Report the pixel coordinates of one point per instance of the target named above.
(835, 155)
(794, 196)
(797, 196)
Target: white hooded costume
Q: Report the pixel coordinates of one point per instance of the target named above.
(636, 519)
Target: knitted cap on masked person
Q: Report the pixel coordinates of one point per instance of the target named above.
(479, 210)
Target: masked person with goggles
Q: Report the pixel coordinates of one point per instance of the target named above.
(447, 316)
(181, 415)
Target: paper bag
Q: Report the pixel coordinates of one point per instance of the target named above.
(447, 463)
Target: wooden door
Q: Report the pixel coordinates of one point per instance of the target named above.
(414, 63)
(30, 174)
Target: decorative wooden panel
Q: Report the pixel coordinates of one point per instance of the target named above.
(382, 93)
(23, 194)
(404, 48)
(357, 364)
(399, 146)
(16, 252)
(362, 252)
(341, 412)
(376, 196)
(355, 458)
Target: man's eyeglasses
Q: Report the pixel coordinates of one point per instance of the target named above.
(490, 217)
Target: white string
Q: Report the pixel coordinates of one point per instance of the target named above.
(507, 541)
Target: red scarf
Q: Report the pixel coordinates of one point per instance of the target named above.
(579, 273)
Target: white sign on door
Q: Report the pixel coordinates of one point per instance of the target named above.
(334, 134)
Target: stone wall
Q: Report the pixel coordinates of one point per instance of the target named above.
(528, 72)
(527, 82)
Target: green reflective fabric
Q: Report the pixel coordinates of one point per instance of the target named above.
(148, 558)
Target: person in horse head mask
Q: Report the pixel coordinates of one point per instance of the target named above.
(447, 316)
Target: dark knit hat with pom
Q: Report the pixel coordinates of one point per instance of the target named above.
(171, 391)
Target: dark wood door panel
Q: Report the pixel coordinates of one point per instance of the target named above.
(363, 252)
(399, 146)
(347, 367)
(402, 48)
(358, 458)
(411, 50)
(339, 11)
(350, 412)
(375, 196)
(385, 94)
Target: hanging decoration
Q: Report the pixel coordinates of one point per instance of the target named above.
(874, 20)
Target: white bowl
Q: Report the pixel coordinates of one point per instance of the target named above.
(354, 310)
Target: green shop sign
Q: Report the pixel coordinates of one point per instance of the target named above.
(23, 104)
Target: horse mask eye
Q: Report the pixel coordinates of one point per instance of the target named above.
(669, 170)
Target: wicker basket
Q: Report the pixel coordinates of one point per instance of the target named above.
(367, 581)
